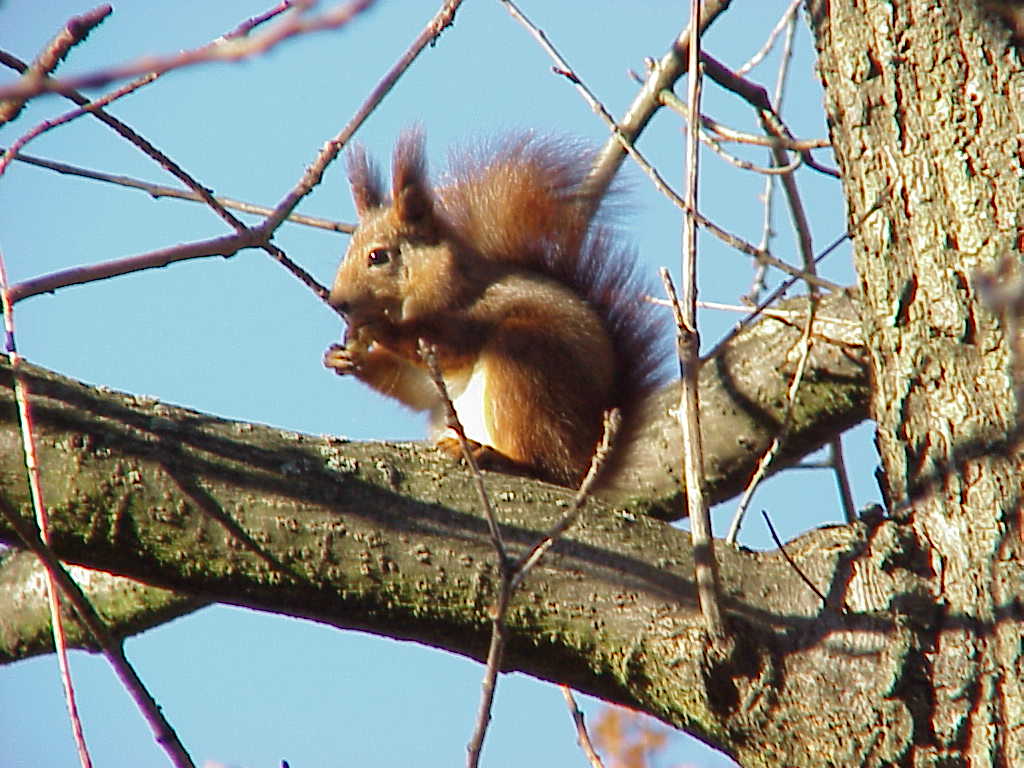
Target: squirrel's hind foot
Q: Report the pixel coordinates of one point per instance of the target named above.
(485, 456)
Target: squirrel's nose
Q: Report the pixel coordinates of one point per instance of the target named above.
(342, 306)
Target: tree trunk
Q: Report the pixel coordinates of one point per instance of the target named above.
(924, 99)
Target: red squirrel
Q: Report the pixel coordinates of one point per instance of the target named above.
(537, 316)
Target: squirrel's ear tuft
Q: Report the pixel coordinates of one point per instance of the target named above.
(411, 195)
(367, 188)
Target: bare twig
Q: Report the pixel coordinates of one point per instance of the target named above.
(159, 190)
(777, 143)
(74, 31)
(731, 134)
(838, 465)
(716, 145)
(773, 450)
(496, 650)
(705, 566)
(612, 422)
(773, 125)
(787, 18)
(223, 49)
(581, 729)
(757, 97)
(225, 245)
(512, 576)
(113, 649)
(490, 681)
(21, 396)
(428, 354)
(437, 24)
(688, 336)
(784, 287)
(673, 102)
(785, 554)
(251, 23)
(562, 68)
(67, 117)
(122, 129)
(662, 76)
(786, 315)
(807, 252)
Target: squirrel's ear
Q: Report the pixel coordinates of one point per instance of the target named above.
(367, 189)
(411, 195)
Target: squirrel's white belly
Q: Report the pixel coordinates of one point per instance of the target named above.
(469, 396)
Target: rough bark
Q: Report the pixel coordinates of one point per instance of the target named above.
(127, 605)
(924, 101)
(743, 395)
(389, 540)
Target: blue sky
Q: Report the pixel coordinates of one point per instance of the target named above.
(242, 339)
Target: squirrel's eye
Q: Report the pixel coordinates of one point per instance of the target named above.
(378, 256)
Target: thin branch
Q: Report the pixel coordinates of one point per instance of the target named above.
(158, 191)
(74, 31)
(787, 17)
(742, 137)
(662, 76)
(785, 315)
(777, 143)
(794, 566)
(773, 450)
(758, 283)
(495, 652)
(21, 396)
(113, 649)
(513, 575)
(706, 567)
(773, 125)
(746, 165)
(581, 729)
(787, 284)
(428, 354)
(767, 232)
(225, 245)
(673, 102)
(251, 23)
(757, 97)
(612, 422)
(563, 68)
(437, 24)
(67, 117)
(223, 49)
(172, 167)
(838, 465)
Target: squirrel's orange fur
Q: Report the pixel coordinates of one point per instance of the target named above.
(538, 318)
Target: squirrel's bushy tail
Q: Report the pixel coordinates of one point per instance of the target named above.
(522, 200)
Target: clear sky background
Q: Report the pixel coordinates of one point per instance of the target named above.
(240, 338)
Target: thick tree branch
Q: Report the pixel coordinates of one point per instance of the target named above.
(742, 408)
(128, 606)
(388, 539)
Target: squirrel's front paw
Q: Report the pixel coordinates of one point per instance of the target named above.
(341, 359)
